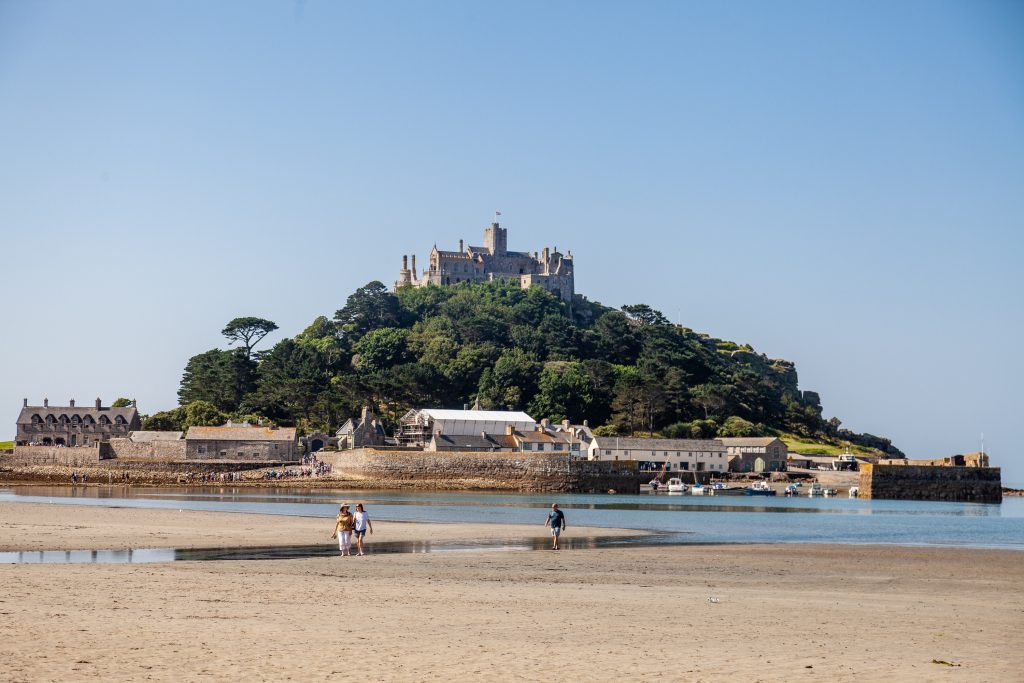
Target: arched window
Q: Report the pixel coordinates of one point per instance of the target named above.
(88, 420)
(36, 419)
(104, 420)
(75, 419)
(50, 420)
(119, 420)
(63, 419)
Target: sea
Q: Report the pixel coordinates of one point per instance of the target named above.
(675, 519)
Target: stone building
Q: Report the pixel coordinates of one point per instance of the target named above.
(72, 425)
(360, 432)
(756, 454)
(688, 455)
(242, 442)
(549, 269)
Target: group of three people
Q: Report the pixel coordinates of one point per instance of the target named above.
(359, 523)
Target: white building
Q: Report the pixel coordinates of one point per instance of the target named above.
(687, 455)
(418, 427)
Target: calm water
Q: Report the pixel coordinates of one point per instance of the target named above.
(686, 519)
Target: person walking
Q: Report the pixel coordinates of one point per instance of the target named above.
(343, 529)
(555, 520)
(362, 524)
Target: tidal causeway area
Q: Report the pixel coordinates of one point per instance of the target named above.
(686, 612)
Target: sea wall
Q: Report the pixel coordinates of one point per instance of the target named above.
(74, 456)
(912, 482)
(159, 451)
(502, 471)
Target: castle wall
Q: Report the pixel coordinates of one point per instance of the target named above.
(241, 451)
(910, 482)
(29, 456)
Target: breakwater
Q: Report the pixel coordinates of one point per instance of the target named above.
(491, 471)
(914, 482)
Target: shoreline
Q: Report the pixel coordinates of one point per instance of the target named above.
(719, 612)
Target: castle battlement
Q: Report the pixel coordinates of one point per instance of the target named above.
(549, 269)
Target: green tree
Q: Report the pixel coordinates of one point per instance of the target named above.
(222, 378)
(512, 383)
(121, 403)
(370, 307)
(737, 426)
(382, 349)
(563, 392)
(248, 331)
(202, 414)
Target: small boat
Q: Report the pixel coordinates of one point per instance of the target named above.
(676, 485)
(699, 489)
(817, 489)
(792, 490)
(720, 489)
(759, 488)
(854, 491)
(655, 485)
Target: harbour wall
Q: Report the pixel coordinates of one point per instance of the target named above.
(913, 482)
(502, 471)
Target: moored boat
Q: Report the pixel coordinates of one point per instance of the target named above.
(676, 485)
(759, 488)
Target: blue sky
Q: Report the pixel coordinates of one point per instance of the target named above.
(838, 184)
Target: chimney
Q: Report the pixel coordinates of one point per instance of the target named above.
(545, 423)
(438, 432)
(46, 403)
(565, 424)
(134, 404)
(509, 430)
(99, 404)
(461, 250)
(405, 263)
(465, 406)
(414, 266)
(366, 413)
(546, 254)
(24, 403)
(586, 424)
(72, 403)
(483, 435)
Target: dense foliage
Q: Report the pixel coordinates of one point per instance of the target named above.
(627, 371)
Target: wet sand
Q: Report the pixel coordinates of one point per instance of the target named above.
(783, 612)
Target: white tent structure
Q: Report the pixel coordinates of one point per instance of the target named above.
(419, 425)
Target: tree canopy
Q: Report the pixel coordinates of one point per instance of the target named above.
(628, 371)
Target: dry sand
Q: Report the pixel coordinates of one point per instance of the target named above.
(784, 612)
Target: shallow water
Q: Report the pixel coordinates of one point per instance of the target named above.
(703, 520)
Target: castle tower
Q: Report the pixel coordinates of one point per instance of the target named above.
(496, 240)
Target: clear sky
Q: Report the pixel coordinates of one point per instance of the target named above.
(840, 184)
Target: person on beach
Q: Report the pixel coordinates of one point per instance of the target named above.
(343, 529)
(555, 520)
(362, 524)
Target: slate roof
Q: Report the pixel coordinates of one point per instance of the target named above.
(659, 444)
(240, 433)
(129, 413)
(467, 442)
(747, 440)
(142, 436)
(478, 415)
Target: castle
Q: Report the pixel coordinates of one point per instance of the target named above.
(551, 269)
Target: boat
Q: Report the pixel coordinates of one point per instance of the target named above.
(854, 491)
(817, 489)
(792, 490)
(720, 489)
(676, 485)
(699, 489)
(759, 488)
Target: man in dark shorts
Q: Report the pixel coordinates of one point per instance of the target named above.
(555, 520)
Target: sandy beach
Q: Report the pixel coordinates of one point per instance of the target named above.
(782, 612)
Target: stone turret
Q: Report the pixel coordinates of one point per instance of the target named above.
(496, 240)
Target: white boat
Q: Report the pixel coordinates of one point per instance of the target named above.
(720, 489)
(699, 489)
(676, 485)
(817, 489)
(854, 491)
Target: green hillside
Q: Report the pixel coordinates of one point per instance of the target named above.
(626, 371)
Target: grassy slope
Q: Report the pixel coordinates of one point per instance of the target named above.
(4, 445)
(808, 446)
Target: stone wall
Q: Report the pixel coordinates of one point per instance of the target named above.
(504, 471)
(241, 451)
(161, 451)
(28, 456)
(909, 482)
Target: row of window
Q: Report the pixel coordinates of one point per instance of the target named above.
(75, 419)
(554, 447)
(666, 454)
